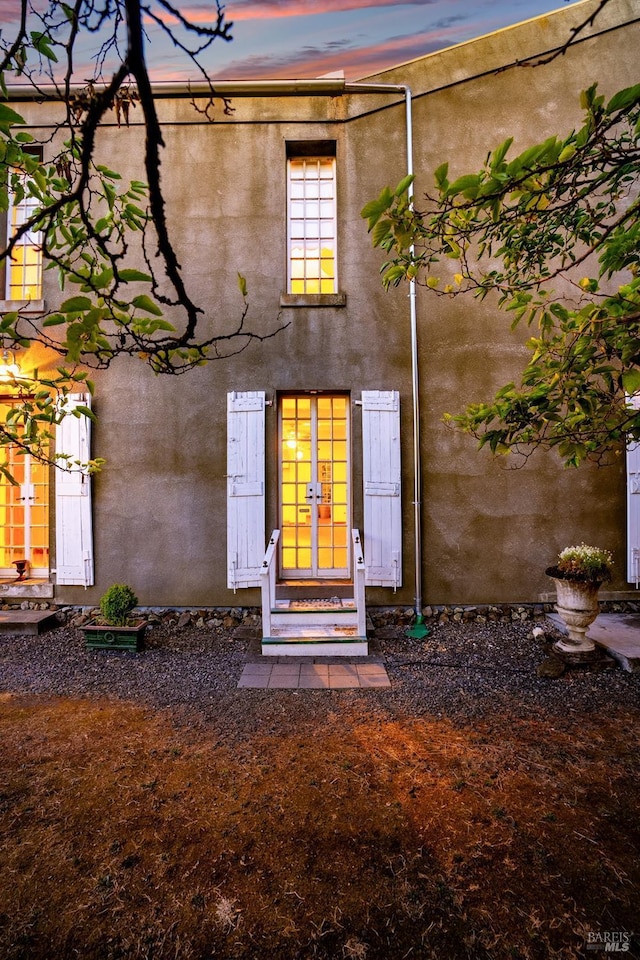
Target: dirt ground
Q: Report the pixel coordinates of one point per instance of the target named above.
(355, 830)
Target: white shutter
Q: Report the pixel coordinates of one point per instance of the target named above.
(382, 484)
(633, 506)
(245, 488)
(74, 532)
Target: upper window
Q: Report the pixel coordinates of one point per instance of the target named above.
(312, 225)
(24, 269)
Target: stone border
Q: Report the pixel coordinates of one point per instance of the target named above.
(249, 618)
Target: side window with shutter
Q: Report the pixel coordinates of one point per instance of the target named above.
(382, 485)
(74, 530)
(245, 488)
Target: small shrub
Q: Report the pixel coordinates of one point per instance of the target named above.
(117, 603)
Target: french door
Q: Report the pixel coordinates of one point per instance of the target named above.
(24, 515)
(315, 503)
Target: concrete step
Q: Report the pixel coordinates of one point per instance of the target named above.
(617, 633)
(307, 615)
(31, 622)
(315, 646)
(313, 628)
(309, 604)
(309, 620)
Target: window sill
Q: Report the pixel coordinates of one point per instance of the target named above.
(22, 306)
(313, 300)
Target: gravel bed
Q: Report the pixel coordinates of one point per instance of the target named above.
(462, 671)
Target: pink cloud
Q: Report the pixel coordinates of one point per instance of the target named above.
(10, 11)
(356, 63)
(272, 9)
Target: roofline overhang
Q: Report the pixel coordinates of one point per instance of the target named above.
(320, 86)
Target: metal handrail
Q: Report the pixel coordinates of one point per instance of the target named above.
(268, 583)
(358, 582)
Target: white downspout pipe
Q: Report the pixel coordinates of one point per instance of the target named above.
(415, 386)
(418, 630)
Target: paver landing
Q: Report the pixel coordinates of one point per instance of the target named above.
(329, 675)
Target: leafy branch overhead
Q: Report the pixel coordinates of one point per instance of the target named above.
(107, 241)
(553, 234)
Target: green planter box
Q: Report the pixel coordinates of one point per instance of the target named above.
(103, 637)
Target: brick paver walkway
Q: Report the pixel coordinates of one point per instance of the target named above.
(328, 675)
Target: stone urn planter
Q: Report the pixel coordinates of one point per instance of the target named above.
(578, 576)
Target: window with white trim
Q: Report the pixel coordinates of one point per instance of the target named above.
(24, 269)
(311, 225)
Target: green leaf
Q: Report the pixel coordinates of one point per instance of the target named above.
(5, 472)
(41, 43)
(105, 171)
(404, 185)
(373, 210)
(441, 176)
(8, 116)
(631, 381)
(624, 99)
(381, 230)
(143, 302)
(76, 305)
(467, 185)
(567, 152)
(79, 410)
(242, 285)
(136, 211)
(101, 280)
(393, 276)
(499, 153)
(130, 275)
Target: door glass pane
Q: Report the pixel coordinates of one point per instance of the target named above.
(314, 475)
(295, 475)
(24, 512)
(332, 471)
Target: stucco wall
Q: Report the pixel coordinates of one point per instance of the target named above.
(488, 530)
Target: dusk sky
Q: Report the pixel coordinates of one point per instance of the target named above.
(310, 38)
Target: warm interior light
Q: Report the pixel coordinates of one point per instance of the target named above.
(9, 369)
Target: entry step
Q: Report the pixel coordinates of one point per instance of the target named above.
(336, 604)
(311, 630)
(309, 616)
(31, 622)
(315, 646)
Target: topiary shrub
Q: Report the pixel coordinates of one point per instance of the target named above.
(117, 603)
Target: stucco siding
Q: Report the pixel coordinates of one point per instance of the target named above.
(488, 530)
